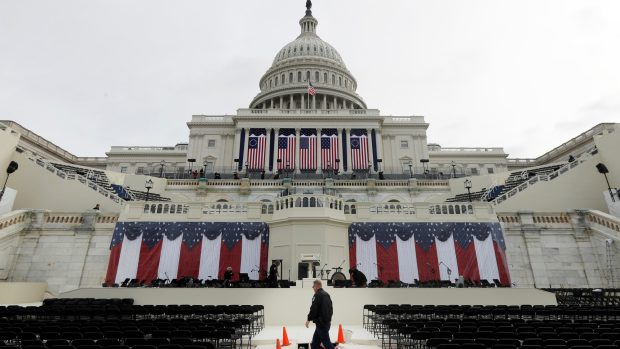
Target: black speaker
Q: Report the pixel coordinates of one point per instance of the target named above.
(602, 168)
(302, 270)
(284, 284)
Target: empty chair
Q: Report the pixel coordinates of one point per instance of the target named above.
(170, 346)
(487, 342)
(600, 341)
(56, 342)
(181, 341)
(77, 342)
(472, 346)
(503, 346)
(434, 342)
(106, 342)
(448, 346)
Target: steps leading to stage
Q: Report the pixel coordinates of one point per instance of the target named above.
(360, 338)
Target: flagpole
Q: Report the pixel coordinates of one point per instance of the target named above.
(308, 92)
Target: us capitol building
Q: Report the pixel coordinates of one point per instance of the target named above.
(310, 160)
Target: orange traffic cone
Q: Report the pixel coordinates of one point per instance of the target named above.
(278, 346)
(285, 341)
(340, 334)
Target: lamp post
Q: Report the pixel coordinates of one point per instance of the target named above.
(453, 164)
(602, 169)
(247, 173)
(161, 170)
(204, 164)
(10, 169)
(329, 169)
(148, 185)
(369, 169)
(410, 169)
(468, 187)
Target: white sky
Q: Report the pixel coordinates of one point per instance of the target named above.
(525, 75)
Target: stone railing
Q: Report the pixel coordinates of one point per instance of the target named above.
(13, 218)
(509, 218)
(77, 218)
(73, 177)
(297, 112)
(603, 220)
(564, 147)
(309, 206)
(541, 178)
(429, 184)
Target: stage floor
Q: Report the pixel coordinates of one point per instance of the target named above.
(266, 339)
(289, 306)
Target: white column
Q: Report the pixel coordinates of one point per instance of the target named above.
(314, 102)
(267, 145)
(275, 150)
(236, 145)
(292, 101)
(245, 149)
(303, 101)
(349, 168)
(281, 102)
(318, 150)
(297, 138)
(325, 102)
(341, 163)
(380, 148)
(370, 148)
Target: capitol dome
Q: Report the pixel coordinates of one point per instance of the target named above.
(306, 62)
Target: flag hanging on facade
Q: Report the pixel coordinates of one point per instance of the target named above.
(429, 251)
(359, 152)
(307, 152)
(286, 152)
(256, 152)
(329, 152)
(172, 250)
(311, 89)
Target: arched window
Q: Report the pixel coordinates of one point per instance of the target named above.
(298, 76)
(305, 202)
(346, 83)
(270, 81)
(283, 79)
(276, 81)
(308, 75)
(333, 79)
(314, 48)
(312, 202)
(340, 81)
(146, 208)
(316, 76)
(325, 77)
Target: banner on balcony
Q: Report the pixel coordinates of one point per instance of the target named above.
(171, 250)
(429, 251)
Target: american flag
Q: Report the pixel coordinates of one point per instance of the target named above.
(329, 152)
(429, 251)
(286, 152)
(311, 89)
(359, 152)
(256, 152)
(173, 250)
(307, 152)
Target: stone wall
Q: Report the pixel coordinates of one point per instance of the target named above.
(574, 249)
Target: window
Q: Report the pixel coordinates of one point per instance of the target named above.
(124, 169)
(325, 77)
(290, 78)
(333, 79)
(140, 170)
(474, 171)
(276, 81)
(298, 76)
(270, 81)
(211, 143)
(346, 83)
(316, 77)
(308, 75)
(340, 81)
(283, 76)
(490, 170)
(404, 144)
(209, 166)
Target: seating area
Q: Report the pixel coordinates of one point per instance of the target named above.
(587, 296)
(98, 177)
(119, 324)
(496, 327)
(513, 180)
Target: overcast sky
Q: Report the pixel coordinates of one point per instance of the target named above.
(523, 75)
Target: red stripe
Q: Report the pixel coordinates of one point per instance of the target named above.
(264, 262)
(502, 265)
(467, 262)
(148, 263)
(428, 271)
(189, 261)
(352, 255)
(387, 263)
(230, 258)
(115, 255)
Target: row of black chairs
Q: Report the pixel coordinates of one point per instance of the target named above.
(587, 296)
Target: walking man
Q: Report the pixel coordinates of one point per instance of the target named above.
(321, 314)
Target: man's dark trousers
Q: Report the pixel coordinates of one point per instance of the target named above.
(321, 335)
